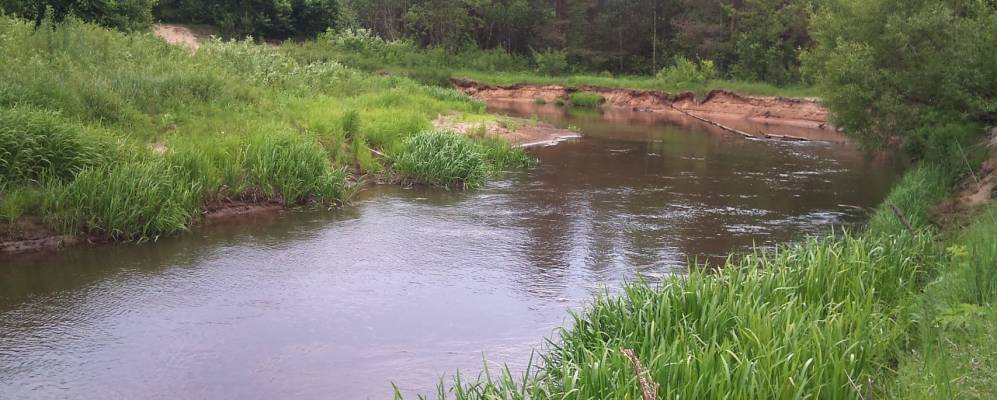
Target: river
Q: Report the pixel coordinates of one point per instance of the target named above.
(406, 285)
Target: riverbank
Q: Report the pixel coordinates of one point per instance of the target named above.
(716, 105)
(902, 310)
(117, 136)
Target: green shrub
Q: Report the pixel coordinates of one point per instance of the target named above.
(551, 62)
(586, 99)
(930, 64)
(442, 158)
(686, 72)
(127, 15)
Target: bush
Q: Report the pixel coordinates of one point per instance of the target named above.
(551, 62)
(443, 158)
(272, 19)
(126, 15)
(685, 72)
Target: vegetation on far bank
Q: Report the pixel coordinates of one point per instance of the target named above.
(123, 136)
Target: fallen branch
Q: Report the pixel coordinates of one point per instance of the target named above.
(900, 216)
(647, 385)
(714, 123)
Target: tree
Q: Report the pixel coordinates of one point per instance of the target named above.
(901, 68)
(128, 15)
(765, 39)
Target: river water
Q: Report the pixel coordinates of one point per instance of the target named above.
(407, 285)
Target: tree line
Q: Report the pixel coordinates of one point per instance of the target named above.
(746, 39)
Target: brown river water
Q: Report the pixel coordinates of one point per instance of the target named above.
(406, 286)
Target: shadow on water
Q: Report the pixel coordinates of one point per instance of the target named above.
(409, 284)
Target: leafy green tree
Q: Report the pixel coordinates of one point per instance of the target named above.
(311, 17)
(900, 68)
(128, 15)
(765, 39)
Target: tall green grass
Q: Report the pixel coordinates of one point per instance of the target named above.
(233, 121)
(38, 146)
(636, 82)
(451, 160)
(586, 99)
(443, 158)
(134, 200)
(953, 347)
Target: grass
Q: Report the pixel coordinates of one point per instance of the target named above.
(586, 99)
(954, 348)
(636, 82)
(121, 135)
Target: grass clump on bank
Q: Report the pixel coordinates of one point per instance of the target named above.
(448, 159)
(586, 99)
(121, 135)
(443, 158)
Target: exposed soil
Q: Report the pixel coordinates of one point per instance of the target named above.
(974, 192)
(717, 105)
(517, 131)
(30, 234)
(235, 209)
(184, 35)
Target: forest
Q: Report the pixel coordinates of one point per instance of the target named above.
(745, 39)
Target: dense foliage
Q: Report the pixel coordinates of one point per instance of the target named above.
(747, 39)
(921, 70)
(272, 19)
(126, 15)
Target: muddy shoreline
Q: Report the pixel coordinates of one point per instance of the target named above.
(31, 235)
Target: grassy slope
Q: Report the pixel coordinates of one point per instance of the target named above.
(125, 136)
(827, 318)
